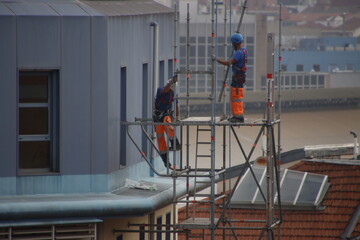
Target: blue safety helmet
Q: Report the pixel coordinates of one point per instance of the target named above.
(237, 38)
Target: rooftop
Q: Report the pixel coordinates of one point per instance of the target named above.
(338, 219)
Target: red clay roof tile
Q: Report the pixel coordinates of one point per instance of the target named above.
(340, 202)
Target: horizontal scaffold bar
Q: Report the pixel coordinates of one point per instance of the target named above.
(208, 123)
(149, 231)
(193, 72)
(194, 98)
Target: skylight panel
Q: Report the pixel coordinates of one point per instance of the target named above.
(311, 189)
(247, 193)
(290, 184)
(298, 189)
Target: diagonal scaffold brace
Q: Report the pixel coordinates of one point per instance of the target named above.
(227, 70)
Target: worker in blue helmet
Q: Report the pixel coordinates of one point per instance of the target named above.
(238, 62)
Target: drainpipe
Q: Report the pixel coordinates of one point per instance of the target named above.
(356, 149)
(155, 77)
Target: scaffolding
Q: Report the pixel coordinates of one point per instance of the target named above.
(209, 175)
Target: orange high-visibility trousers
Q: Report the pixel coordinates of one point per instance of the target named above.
(160, 134)
(236, 100)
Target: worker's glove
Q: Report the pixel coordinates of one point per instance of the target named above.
(213, 57)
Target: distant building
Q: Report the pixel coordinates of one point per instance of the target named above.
(253, 28)
(318, 60)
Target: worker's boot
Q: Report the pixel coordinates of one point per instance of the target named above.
(164, 159)
(177, 145)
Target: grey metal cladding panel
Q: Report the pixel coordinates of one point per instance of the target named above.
(123, 8)
(75, 85)
(8, 104)
(99, 91)
(68, 9)
(31, 9)
(38, 41)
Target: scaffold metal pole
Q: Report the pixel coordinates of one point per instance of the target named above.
(279, 108)
(187, 110)
(269, 144)
(213, 93)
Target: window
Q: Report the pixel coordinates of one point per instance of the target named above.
(249, 39)
(183, 40)
(299, 67)
(313, 81)
(161, 73)
(182, 51)
(287, 82)
(170, 68)
(168, 222)
(84, 231)
(38, 121)
(201, 39)
(283, 67)
(321, 81)
(250, 50)
(220, 52)
(293, 82)
(306, 81)
(145, 103)
(316, 67)
(123, 110)
(299, 190)
(159, 228)
(192, 51)
(300, 81)
(201, 50)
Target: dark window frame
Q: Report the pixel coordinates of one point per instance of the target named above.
(32, 133)
(123, 109)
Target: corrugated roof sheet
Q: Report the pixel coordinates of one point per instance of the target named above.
(31, 8)
(125, 8)
(68, 9)
(5, 11)
(81, 8)
(340, 203)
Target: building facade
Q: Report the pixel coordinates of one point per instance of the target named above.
(70, 73)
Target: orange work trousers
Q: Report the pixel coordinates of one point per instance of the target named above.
(236, 99)
(160, 134)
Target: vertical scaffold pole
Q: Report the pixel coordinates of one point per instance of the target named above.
(269, 145)
(224, 115)
(175, 37)
(213, 92)
(187, 113)
(174, 215)
(226, 51)
(279, 89)
(279, 100)
(187, 60)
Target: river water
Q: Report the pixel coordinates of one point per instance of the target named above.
(298, 129)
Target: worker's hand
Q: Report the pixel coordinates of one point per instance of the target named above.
(213, 57)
